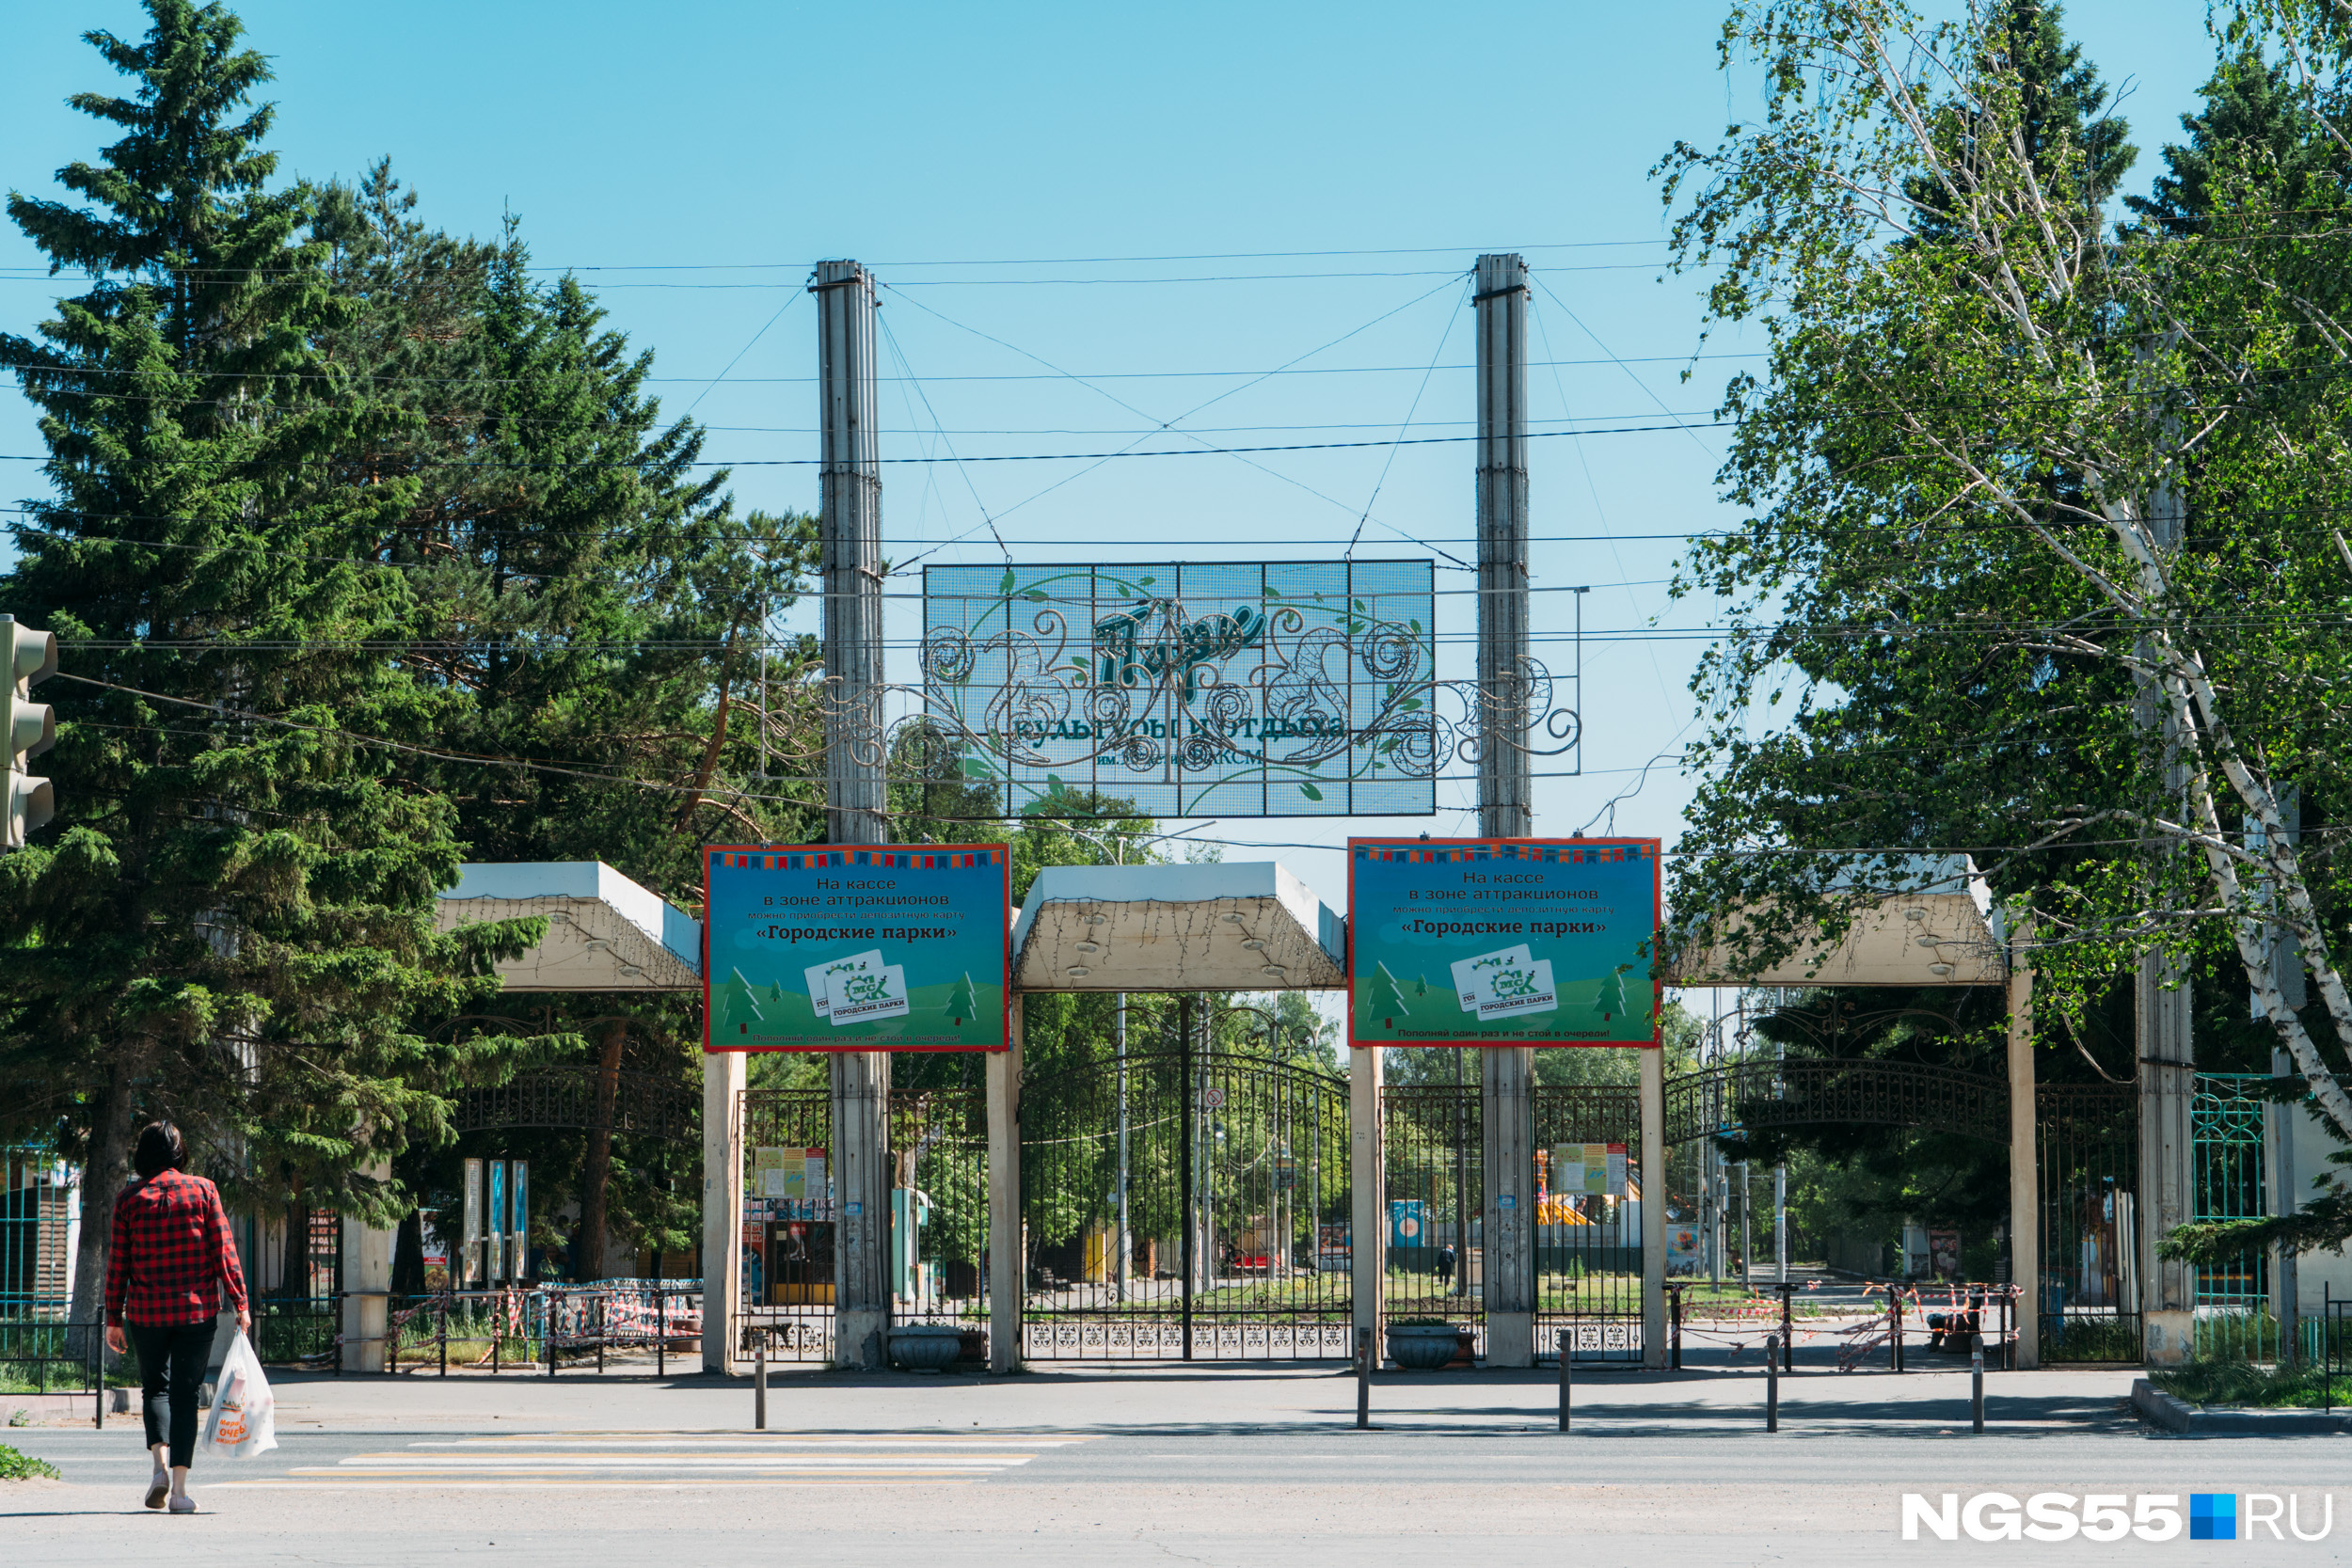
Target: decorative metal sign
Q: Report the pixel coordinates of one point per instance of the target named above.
(1286, 689)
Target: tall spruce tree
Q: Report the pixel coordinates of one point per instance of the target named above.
(231, 920)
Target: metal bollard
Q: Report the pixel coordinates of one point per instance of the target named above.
(1771, 1383)
(1976, 1380)
(759, 1382)
(1567, 1339)
(1363, 1380)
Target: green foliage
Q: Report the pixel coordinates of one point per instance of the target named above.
(2037, 559)
(23, 1466)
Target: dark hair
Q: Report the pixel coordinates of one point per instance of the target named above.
(160, 1149)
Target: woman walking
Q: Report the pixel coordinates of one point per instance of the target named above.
(170, 1256)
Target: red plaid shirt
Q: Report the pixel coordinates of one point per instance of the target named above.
(172, 1251)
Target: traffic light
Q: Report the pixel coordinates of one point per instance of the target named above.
(30, 726)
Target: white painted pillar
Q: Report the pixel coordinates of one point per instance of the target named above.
(367, 1288)
(2024, 1178)
(1508, 1072)
(725, 1073)
(1367, 1186)
(1004, 1198)
(1654, 1207)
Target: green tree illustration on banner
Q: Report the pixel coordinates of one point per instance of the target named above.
(1612, 1000)
(1388, 998)
(961, 1005)
(739, 1010)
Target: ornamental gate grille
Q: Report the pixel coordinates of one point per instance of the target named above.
(1433, 1154)
(1588, 1245)
(2233, 1320)
(2090, 1161)
(1181, 1205)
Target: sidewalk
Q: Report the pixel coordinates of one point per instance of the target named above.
(1203, 1399)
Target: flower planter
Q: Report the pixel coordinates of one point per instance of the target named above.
(927, 1348)
(1423, 1349)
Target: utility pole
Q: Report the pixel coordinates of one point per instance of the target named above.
(1507, 1251)
(855, 805)
(2167, 1052)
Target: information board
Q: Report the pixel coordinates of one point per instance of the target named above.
(1472, 942)
(1588, 1170)
(855, 947)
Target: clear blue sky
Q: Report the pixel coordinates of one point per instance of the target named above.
(981, 157)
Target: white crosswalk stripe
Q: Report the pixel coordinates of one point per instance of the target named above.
(677, 1460)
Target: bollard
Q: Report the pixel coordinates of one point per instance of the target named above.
(1771, 1383)
(1673, 1324)
(1787, 1332)
(1895, 1323)
(1363, 1380)
(1976, 1380)
(759, 1382)
(1567, 1339)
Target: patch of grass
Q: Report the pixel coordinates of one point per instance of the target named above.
(22, 1466)
(2228, 1383)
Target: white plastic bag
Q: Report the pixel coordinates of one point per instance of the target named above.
(244, 1420)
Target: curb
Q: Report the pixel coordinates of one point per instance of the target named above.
(2174, 1413)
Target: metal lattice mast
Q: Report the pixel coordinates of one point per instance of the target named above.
(1500, 298)
(856, 806)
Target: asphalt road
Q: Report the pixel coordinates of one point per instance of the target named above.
(1605, 1494)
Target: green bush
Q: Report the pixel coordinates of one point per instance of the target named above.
(19, 1466)
(2234, 1382)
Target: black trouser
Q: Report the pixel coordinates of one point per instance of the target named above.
(179, 1352)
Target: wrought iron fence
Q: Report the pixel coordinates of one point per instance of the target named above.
(1434, 1157)
(2234, 1320)
(644, 1104)
(2089, 1294)
(939, 1209)
(1762, 1094)
(1588, 1244)
(1185, 1204)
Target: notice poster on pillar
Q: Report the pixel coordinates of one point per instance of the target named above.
(1474, 941)
(855, 947)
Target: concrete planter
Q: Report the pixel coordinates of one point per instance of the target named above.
(1423, 1349)
(927, 1348)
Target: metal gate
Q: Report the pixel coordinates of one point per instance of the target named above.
(2234, 1320)
(939, 1209)
(1184, 1205)
(1588, 1242)
(1432, 1152)
(787, 1221)
(2090, 1162)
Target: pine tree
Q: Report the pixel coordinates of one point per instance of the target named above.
(962, 1005)
(1387, 1000)
(231, 918)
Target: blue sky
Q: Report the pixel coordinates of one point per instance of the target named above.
(691, 160)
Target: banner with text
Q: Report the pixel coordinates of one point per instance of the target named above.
(855, 947)
(1502, 941)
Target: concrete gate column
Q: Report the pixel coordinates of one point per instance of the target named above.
(1004, 1197)
(1367, 1186)
(860, 1177)
(725, 1073)
(1509, 1261)
(367, 1288)
(1654, 1189)
(2025, 1178)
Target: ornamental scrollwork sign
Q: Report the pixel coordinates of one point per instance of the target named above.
(1283, 688)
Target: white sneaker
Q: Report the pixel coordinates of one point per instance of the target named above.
(184, 1504)
(158, 1487)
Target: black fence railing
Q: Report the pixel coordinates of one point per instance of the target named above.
(41, 1355)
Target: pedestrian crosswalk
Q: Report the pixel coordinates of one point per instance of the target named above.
(677, 1460)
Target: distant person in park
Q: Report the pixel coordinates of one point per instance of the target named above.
(171, 1255)
(1445, 1268)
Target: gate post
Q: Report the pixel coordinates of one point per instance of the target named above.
(1509, 1258)
(1654, 1207)
(366, 1285)
(724, 1077)
(1003, 1197)
(2024, 1178)
(1367, 1178)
